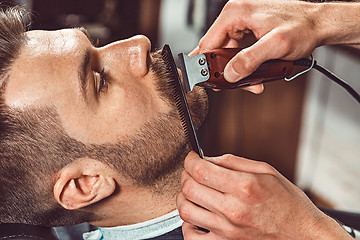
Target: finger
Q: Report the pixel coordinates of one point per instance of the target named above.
(217, 34)
(249, 59)
(228, 43)
(202, 195)
(195, 51)
(211, 40)
(235, 163)
(195, 214)
(216, 89)
(212, 175)
(257, 89)
(213, 200)
(231, 43)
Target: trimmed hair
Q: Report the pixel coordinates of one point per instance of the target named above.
(33, 145)
(12, 27)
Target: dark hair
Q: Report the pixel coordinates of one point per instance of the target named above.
(12, 27)
(33, 145)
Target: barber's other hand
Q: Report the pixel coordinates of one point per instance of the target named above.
(284, 29)
(236, 198)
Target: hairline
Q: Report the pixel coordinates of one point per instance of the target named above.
(6, 75)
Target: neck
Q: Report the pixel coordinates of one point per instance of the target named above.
(134, 204)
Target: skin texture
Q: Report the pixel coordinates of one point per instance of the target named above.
(286, 30)
(134, 141)
(237, 198)
(47, 73)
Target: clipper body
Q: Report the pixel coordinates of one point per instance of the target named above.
(207, 70)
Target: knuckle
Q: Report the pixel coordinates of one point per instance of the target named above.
(248, 61)
(249, 185)
(184, 176)
(187, 188)
(204, 42)
(267, 168)
(229, 5)
(233, 212)
(179, 201)
(236, 4)
(199, 172)
(225, 158)
(283, 39)
(270, 179)
(184, 212)
(235, 217)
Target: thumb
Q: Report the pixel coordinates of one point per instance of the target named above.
(249, 59)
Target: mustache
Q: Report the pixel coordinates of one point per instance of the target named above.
(162, 76)
(197, 99)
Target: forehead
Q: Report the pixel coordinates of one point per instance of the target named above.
(46, 57)
(53, 42)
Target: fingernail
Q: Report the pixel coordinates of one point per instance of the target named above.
(230, 74)
(252, 89)
(257, 89)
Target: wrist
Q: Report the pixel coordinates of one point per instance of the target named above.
(328, 228)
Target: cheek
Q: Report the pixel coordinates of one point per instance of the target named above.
(119, 113)
(130, 108)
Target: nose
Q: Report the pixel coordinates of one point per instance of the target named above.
(130, 55)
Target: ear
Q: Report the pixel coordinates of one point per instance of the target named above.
(83, 182)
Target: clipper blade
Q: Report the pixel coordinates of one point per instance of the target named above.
(194, 69)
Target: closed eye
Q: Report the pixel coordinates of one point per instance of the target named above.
(101, 81)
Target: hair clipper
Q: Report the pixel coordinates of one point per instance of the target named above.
(207, 70)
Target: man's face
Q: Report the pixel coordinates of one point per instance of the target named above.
(103, 96)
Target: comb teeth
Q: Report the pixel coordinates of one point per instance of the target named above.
(176, 95)
(180, 100)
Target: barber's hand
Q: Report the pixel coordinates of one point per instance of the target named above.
(284, 29)
(236, 198)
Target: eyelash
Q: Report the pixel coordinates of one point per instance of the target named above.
(102, 83)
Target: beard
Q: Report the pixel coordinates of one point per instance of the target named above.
(156, 152)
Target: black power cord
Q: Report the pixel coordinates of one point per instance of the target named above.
(308, 63)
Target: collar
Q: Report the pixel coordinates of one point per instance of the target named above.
(149, 229)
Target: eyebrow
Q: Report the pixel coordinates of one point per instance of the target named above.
(85, 61)
(83, 72)
(85, 32)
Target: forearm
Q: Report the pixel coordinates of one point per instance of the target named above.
(338, 23)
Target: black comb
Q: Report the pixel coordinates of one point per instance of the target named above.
(180, 100)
